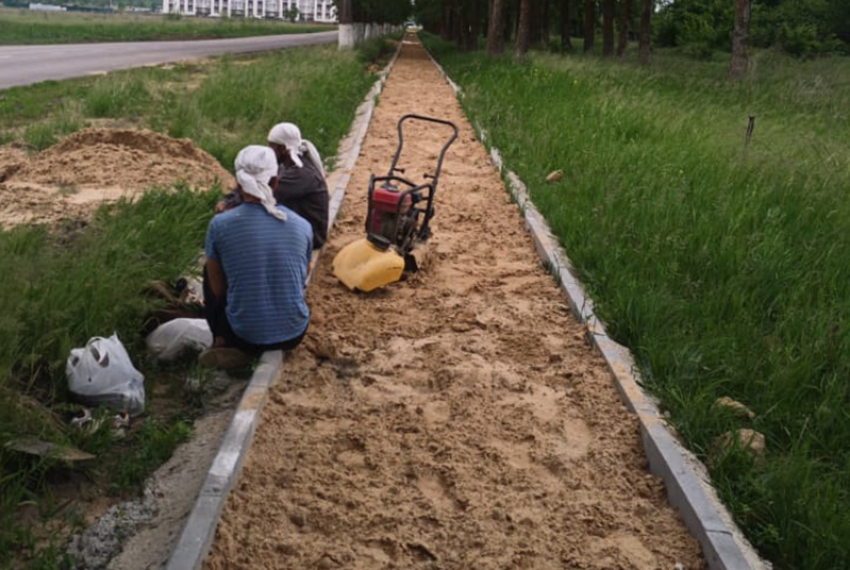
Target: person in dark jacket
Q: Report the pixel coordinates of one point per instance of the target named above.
(301, 183)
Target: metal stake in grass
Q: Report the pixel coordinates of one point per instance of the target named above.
(751, 125)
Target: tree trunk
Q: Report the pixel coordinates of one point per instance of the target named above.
(460, 30)
(345, 12)
(589, 25)
(523, 30)
(508, 20)
(544, 25)
(608, 28)
(566, 25)
(625, 24)
(474, 26)
(448, 23)
(495, 39)
(645, 30)
(739, 40)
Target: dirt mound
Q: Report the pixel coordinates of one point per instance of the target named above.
(123, 157)
(93, 166)
(11, 160)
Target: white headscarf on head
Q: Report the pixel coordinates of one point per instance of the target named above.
(255, 166)
(289, 136)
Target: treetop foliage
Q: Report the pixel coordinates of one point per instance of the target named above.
(378, 11)
(799, 27)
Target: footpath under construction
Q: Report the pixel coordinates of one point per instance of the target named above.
(457, 420)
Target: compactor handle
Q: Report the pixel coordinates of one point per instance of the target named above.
(413, 117)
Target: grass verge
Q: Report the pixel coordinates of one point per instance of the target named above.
(724, 271)
(20, 27)
(66, 284)
(221, 104)
(61, 289)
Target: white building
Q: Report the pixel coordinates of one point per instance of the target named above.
(308, 10)
(46, 7)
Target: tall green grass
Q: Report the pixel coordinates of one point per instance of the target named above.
(27, 27)
(726, 273)
(59, 290)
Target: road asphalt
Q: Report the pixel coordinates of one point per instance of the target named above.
(24, 65)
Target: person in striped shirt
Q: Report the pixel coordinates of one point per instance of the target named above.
(258, 258)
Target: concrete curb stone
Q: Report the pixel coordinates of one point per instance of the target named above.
(686, 480)
(199, 531)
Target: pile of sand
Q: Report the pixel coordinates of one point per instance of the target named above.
(90, 167)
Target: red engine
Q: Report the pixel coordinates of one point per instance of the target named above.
(388, 207)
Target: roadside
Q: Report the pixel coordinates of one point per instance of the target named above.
(28, 65)
(458, 418)
(102, 236)
(27, 27)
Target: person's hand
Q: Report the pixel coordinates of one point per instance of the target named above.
(219, 207)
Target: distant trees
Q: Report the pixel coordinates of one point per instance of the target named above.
(699, 27)
(799, 27)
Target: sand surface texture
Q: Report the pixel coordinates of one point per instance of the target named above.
(457, 420)
(72, 178)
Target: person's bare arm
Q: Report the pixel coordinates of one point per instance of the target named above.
(218, 282)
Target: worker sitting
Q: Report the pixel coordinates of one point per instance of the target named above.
(301, 183)
(258, 256)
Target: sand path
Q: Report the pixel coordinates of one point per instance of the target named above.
(458, 420)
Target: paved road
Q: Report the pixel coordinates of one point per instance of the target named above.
(23, 65)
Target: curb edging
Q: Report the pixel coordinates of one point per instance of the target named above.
(198, 533)
(685, 478)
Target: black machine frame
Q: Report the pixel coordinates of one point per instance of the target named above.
(407, 235)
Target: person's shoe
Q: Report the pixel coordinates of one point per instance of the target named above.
(226, 358)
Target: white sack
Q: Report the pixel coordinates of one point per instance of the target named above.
(173, 338)
(102, 374)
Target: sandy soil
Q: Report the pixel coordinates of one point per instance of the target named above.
(90, 167)
(458, 420)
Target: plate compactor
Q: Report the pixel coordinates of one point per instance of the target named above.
(397, 223)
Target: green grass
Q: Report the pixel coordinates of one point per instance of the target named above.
(726, 275)
(18, 27)
(221, 104)
(63, 285)
(60, 290)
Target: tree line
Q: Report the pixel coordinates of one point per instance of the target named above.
(699, 27)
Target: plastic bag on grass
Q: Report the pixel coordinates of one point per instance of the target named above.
(101, 373)
(173, 338)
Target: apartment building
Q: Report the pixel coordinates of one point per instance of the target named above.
(308, 10)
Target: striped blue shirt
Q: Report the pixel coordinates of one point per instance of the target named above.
(265, 264)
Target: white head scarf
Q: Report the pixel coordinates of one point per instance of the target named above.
(255, 166)
(289, 136)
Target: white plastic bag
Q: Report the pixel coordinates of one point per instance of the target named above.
(173, 338)
(102, 374)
